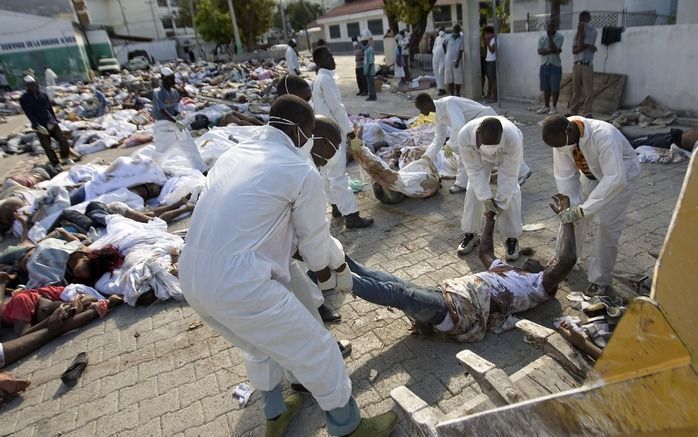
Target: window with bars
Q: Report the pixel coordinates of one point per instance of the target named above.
(334, 31)
(353, 29)
(376, 27)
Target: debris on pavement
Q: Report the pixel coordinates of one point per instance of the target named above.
(242, 393)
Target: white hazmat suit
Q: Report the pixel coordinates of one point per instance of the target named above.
(508, 158)
(264, 199)
(438, 60)
(327, 101)
(292, 61)
(614, 164)
(452, 113)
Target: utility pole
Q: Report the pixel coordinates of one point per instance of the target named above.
(192, 12)
(155, 21)
(283, 20)
(123, 15)
(495, 24)
(236, 34)
(305, 27)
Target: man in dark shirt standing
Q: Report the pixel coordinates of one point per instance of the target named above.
(38, 109)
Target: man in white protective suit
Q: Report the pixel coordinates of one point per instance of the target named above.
(174, 146)
(263, 202)
(597, 168)
(327, 101)
(452, 113)
(486, 142)
(292, 58)
(438, 61)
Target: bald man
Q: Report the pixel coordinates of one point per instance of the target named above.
(296, 85)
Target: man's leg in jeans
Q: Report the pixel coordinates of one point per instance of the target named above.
(422, 305)
(45, 141)
(62, 142)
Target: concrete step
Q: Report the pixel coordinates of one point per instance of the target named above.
(493, 381)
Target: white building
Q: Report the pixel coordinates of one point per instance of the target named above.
(349, 19)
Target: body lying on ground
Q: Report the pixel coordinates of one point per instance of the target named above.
(464, 308)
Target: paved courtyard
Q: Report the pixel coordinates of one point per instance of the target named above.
(149, 374)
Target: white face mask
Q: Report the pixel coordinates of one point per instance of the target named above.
(441, 33)
(334, 157)
(489, 152)
(307, 146)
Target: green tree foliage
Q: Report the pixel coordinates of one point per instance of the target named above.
(502, 14)
(412, 12)
(254, 17)
(301, 13)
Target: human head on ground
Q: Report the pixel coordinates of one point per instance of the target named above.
(294, 117)
(424, 103)
(147, 191)
(328, 136)
(8, 209)
(456, 31)
(584, 17)
(489, 31)
(558, 131)
(296, 85)
(323, 58)
(168, 79)
(30, 84)
(489, 133)
(86, 267)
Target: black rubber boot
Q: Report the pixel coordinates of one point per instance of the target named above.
(356, 221)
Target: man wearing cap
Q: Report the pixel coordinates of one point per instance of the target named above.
(369, 64)
(292, 58)
(173, 143)
(38, 109)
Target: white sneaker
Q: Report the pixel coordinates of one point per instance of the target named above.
(467, 243)
(553, 110)
(543, 110)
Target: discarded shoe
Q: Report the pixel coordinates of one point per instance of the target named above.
(277, 427)
(377, 426)
(74, 371)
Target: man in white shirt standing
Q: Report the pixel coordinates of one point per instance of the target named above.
(292, 58)
(327, 101)
(596, 167)
(437, 61)
(491, 63)
(453, 65)
(484, 143)
(50, 76)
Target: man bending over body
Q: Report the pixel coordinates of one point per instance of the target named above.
(463, 308)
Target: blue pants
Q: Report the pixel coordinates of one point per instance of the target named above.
(340, 421)
(550, 77)
(421, 304)
(371, 84)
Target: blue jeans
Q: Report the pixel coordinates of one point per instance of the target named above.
(550, 77)
(371, 84)
(426, 305)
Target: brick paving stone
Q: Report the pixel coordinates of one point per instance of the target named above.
(182, 419)
(149, 429)
(103, 406)
(155, 407)
(141, 390)
(126, 418)
(197, 390)
(88, 430)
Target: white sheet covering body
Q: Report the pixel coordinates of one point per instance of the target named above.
(615, 165)
(174, 149)
(148, 250)
(508, 159)
(262, 200)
